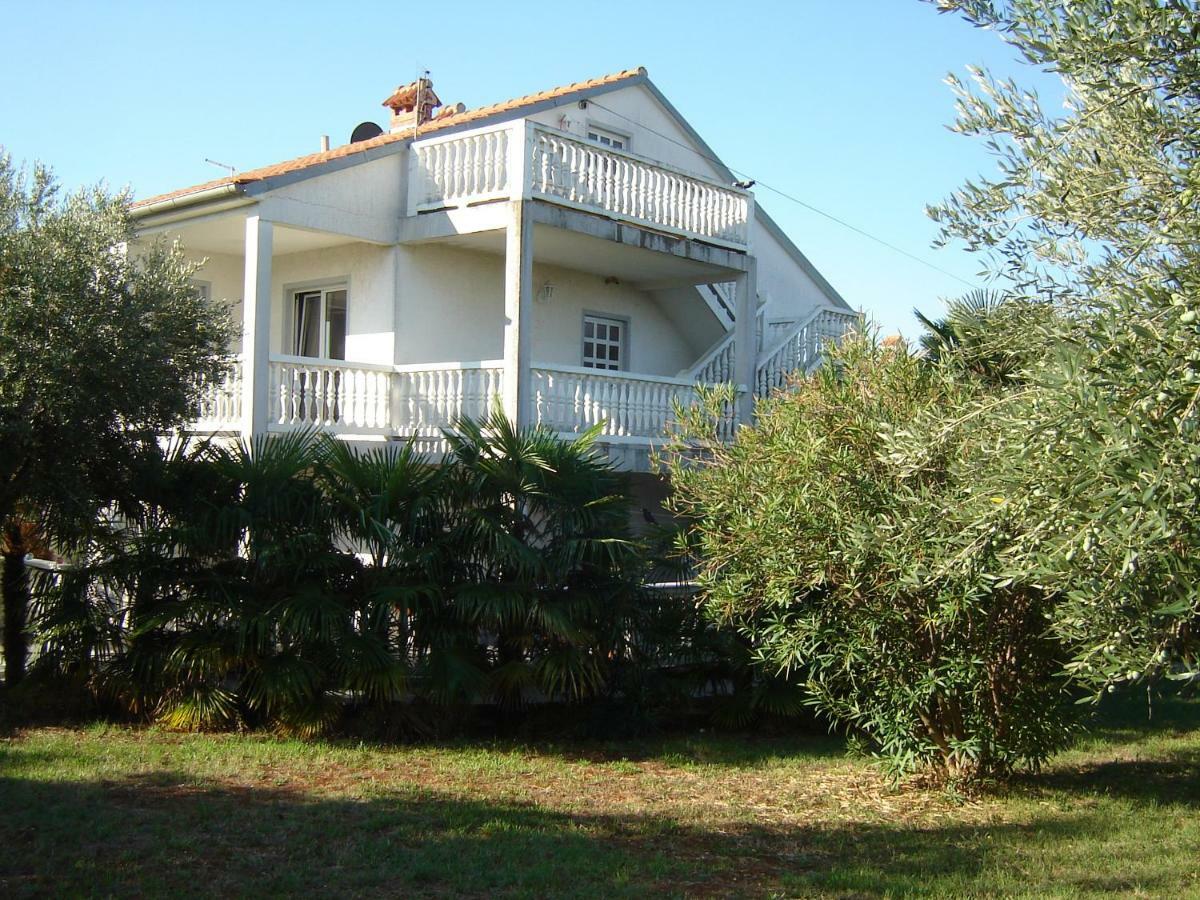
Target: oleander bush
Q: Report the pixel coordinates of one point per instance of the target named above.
(845, 538)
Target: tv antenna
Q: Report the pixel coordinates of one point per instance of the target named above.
(221, 165)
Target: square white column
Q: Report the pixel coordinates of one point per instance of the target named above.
(256, 326)
(518, 316)
(745, 340)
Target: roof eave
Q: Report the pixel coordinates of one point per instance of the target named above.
(206, 196)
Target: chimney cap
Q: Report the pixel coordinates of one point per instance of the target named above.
(404, 98)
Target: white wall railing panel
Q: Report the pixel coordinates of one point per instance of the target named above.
(570, 400)
(221, 401)
(331, 395)
(453, 171)
(436, 396)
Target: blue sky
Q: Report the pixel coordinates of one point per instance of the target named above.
(839, 104)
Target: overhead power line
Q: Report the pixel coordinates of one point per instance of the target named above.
(785, 195)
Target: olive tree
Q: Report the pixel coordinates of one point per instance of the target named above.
(99, 353)
(1096, 210)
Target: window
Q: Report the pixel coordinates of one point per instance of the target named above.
(319, 323)
(608, 138)
(604, 342)
(203, 289)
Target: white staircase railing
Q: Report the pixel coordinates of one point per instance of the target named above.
(786, 346)
(715, 366)
(799, 349)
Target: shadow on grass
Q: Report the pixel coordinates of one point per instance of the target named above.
(168, 833)
(1174, 781)
(1131, 716)
(1127, 726)
(736, 750)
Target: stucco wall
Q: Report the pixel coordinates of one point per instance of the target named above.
(224, 274)
(343, 200)
(638, 115)
(655, 346)
(788, 290)
(451, 307)
(368, 273)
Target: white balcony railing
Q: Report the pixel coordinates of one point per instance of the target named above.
(334, 396)
(424, 399)
(433, 397)
(521, 159)
(631, 187)
(221, 401)
(568, 399)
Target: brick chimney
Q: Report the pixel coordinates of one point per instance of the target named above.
(412, 104)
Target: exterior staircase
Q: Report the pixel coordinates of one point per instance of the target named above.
(785, 348)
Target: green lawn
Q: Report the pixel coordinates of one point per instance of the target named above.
(114, 811)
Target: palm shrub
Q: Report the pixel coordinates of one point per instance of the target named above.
(275, 583)
(538, 568)
(238, 607)
(845, 538)
(391, 505)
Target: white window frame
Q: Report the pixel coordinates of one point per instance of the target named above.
(325, 288)
(203, 289)
(593, 360)
(606, 137)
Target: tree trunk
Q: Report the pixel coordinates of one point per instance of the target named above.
(14, 586)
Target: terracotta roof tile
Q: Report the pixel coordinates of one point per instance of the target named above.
(437, 124)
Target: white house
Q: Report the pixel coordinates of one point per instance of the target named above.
(580, 254)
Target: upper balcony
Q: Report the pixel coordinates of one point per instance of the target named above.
(525, 160)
